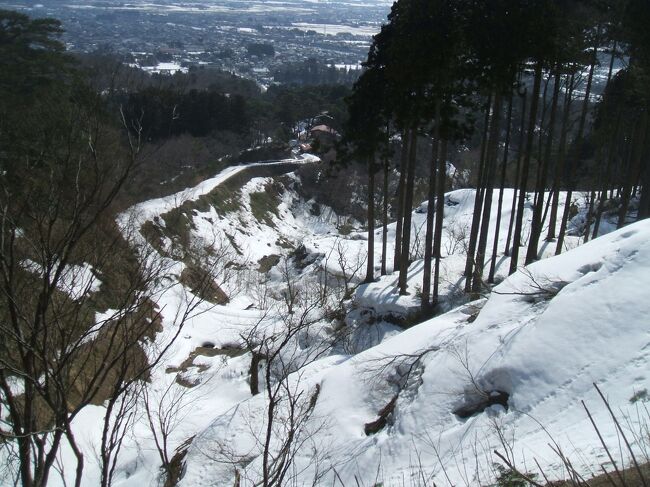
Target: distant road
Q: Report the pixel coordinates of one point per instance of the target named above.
(148, 210)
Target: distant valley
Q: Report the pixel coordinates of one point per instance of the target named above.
(177, 36)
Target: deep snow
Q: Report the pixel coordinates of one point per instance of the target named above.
(544, 351)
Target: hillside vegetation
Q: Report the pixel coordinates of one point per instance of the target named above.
(437, 277)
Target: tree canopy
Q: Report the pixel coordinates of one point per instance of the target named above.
(436, 64)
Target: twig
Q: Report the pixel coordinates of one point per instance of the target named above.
(609, 477)
(541, 470)
(514, 469)
(602, 442)
(627, 443)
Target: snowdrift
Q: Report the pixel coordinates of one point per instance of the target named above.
(506, 373)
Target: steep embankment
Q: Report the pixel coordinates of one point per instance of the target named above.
(262, 218)
(451, 390)
(205, 366)
(255, 278)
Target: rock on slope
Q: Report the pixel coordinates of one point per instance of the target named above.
(541, 340)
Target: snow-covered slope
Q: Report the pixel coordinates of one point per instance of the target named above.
(542, 337)
(383, 295)
(522, 343)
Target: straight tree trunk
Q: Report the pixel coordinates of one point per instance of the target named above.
(611, 63)
(608, 175)
(540, 144)
(644, 203)
(544, 163)
(478, 203)
(561, 159)
(590, 212)
(408, 206)
(602, 198)
(548, 205)
(401, 191)
(384, 232)
(370, 263)
(634, 168)
(254, 373)
(440, 215)
(520, 151)
(525, 169)
(502, 184)
(25, 455)
(608, 171)
(577, 147)
(428, 240)
(491, 162)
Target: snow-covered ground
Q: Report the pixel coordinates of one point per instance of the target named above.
(383, 295)
(543, 336)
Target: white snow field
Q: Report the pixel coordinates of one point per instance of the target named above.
(544, 336)
(541, 338)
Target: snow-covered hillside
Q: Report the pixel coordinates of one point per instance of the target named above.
(542, 338)
(359, 398)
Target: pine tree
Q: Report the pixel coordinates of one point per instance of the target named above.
(365, 132)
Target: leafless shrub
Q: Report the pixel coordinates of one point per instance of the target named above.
(165, 410)
(457, 237)
(280, 348)
(66, 344)
(350, 267)
(538, 288)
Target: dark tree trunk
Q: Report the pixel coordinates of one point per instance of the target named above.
(633, 169)
(408, 207)
(611, 63)
(525, 169)
(440, 215)
(610, 147)
(540, 144)
(254, 373)
(370, 263)
(25, 455)
(610, 159)
(520, 151)
(590, 213)
(384, 231)
(548, 205)
(502, 184)
(577, 147)
(561, 159)
(490, 162)
(478, 203)
(644, 203)
(537, 222)
(601, 207)
(401, 191)
(428, 240)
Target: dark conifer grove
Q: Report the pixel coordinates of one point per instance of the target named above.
(521, 77)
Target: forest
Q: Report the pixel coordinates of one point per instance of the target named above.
(83, 137)
(520, 76)
(161, 232)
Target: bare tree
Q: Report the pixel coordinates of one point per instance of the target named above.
(280, 348)
(351, 265)
(77, 300)
(121, 414)
(165, 409)
(51, 222)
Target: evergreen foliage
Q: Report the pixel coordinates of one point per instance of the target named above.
(435, 64)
